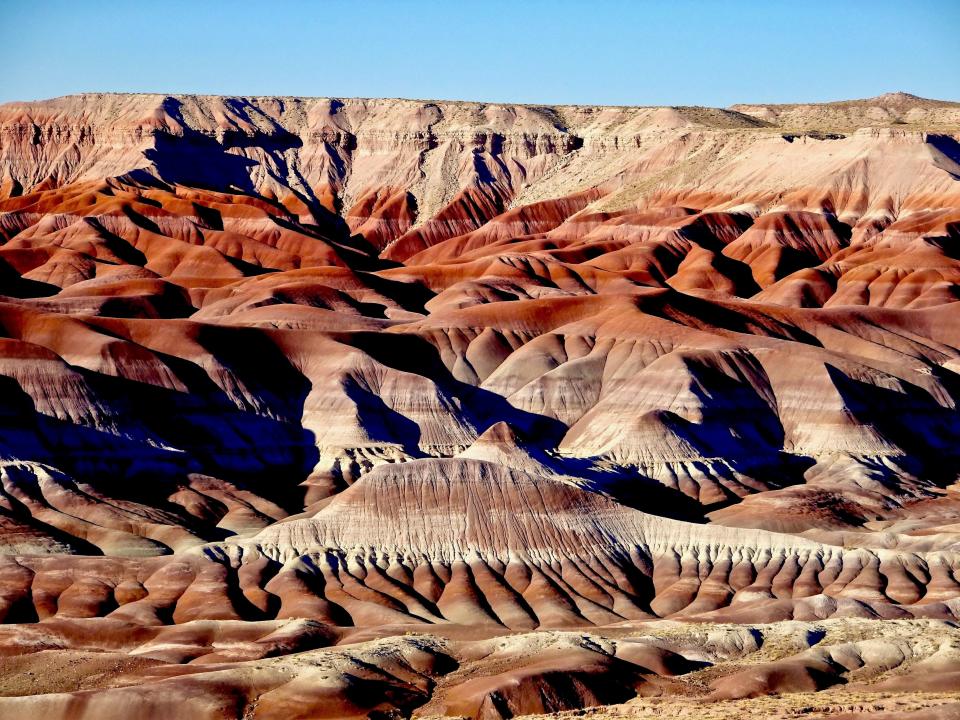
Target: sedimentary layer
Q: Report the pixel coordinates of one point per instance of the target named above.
(289, 373)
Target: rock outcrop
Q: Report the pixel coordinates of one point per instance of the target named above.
(283, 373)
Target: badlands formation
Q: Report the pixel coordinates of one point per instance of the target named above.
(322, 408)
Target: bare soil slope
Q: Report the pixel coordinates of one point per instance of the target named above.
(377, 408)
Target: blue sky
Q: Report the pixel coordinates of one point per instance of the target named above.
(615, 52)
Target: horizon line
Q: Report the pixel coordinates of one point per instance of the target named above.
(474, 102)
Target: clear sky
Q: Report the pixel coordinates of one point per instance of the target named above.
(702, 52)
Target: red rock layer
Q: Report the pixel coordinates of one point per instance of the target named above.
(375, 364)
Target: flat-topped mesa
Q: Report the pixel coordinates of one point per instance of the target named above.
(894, 108)
(409, 174)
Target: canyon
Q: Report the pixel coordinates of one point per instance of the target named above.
(354, 408)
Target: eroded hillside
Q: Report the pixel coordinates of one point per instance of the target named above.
(283, 374)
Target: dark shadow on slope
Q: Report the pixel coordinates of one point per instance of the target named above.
(714, 231)
(949, 147)
(380, 422)
(19, 513)
(411, 296)
(251, 439)
(120, 247)
(757, 455)
(702, 314)
(171, 302)
(208, 217)
(26, 435)
(948, 244)
(196, 160)
(13, 285)
(911, 420)
(140, 220)
(334, 232)
(738, 425)
(383, 696)
(739, 273)
(481, 408)
(627, 487)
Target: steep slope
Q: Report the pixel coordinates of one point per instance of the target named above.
(286, 373)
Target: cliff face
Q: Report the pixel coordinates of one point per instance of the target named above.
(381, 363)
(410, 174)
